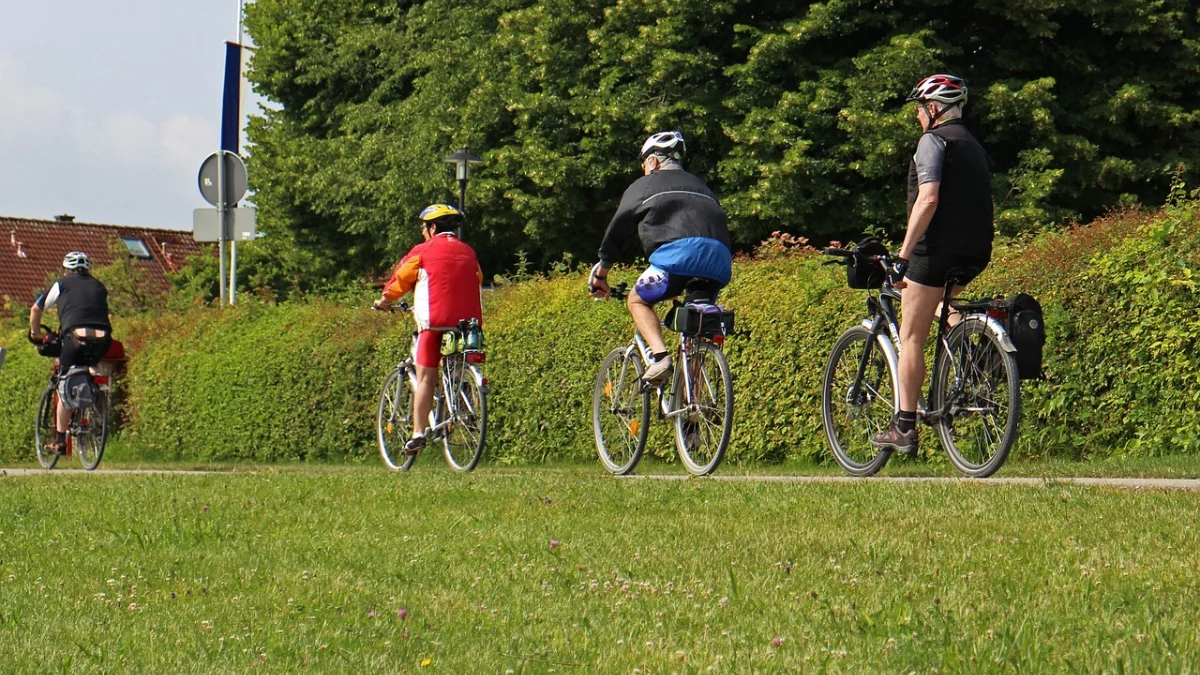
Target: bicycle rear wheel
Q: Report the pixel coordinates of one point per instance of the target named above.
(90, 431)
(43, 428)
(858, 401)
(702, 432)
(464, 438)
(978, 392)
(620, 411)
(393, 420)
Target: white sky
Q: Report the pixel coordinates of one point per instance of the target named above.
(108, 108)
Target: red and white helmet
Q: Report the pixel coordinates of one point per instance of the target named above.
(943, 88)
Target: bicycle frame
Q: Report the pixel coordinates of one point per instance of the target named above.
(882, 313)
(670, 404)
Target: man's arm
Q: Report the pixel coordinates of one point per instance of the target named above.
(403, 280)
(922, 214)
(44, 301)
(929, 158)
(619, 227)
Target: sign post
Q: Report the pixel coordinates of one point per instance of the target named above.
(223, 183)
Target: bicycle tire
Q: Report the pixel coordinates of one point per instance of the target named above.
(463, 441)
(93, 431)
(981, 378)
(625, 427)
(393, 420)
(850, 424)
(694, 429)
(43, 428)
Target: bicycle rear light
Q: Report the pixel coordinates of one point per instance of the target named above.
(100, 380)
(476, 357)
(997, 313)
(718, 339)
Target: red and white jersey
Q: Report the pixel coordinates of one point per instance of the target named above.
(445, 279)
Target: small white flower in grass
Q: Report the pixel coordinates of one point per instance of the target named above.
(723, 601)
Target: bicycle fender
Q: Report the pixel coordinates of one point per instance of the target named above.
(884, 341)
(480, 379)
(996, 329)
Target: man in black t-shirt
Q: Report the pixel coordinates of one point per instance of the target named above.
(949, 226)
(82, 302)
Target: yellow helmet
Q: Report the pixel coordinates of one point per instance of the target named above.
(440, 213)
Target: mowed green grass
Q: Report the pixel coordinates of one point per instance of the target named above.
(568, 570)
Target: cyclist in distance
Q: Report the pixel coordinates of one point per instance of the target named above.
(445, 278)
(683, 230)
(82, 302)
(949, 226)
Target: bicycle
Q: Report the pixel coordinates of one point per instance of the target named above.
(974, 396)
(459, 414)
(698, 398)
(87, 431)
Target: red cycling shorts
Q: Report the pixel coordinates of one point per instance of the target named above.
(428, 351)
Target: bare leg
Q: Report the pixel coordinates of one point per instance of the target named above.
(917, 304)
(646, 320)
(62, 419)
(427, 380)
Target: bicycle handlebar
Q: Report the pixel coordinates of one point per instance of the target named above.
(618, 292)
(386, 307)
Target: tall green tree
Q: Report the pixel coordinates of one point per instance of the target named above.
(793, 112)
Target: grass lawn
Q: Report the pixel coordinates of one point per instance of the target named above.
(568, 570)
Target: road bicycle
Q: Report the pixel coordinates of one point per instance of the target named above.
(974, 396)
(459, 415)
(87, 432)
(697, 398)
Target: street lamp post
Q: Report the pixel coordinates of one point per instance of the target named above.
(462, 161)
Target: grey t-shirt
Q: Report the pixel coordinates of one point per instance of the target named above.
(931, 152)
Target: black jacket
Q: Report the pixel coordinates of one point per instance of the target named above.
(665, 206)
(962, 223)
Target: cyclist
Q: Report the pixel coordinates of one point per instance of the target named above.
(445, 278)
(949, 226)
(82, 302)
(683, 230)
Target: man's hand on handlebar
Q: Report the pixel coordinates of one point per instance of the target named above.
(896, 272)
(598, 284)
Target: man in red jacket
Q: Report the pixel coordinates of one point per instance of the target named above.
(445, 278)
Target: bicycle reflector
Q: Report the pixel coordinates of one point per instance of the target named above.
(718, 339)
(476, 357)
(998, 313)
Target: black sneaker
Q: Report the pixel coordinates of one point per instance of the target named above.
(892, 438)
(414, 445)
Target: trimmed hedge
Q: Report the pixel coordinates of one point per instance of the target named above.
(299, 381)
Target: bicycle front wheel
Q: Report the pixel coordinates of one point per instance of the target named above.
(705, 423)
(90, 427)
(464, 438)
(393, 421)
(43, 428)
(620, 411)
(858, 400)
(978, 393)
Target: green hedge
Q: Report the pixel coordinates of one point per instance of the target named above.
(299, 381)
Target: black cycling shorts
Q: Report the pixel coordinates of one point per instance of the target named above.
(932, 270)
(82, 351)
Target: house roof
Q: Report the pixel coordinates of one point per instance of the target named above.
(31, 252)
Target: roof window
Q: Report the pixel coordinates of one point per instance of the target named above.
(137, 247)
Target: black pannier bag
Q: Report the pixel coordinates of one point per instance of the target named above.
(1027, 330)
(861, 271)
(700, 319)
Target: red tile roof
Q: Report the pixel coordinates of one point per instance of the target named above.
(31, 252)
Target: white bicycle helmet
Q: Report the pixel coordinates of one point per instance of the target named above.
(77, 260)
(669, 143)
(947, 89)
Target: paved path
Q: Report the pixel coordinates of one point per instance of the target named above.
(1190, 484)
(71, 472)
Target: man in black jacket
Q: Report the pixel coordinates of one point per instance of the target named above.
(949, 226)
(683, 230)
(82, 303)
